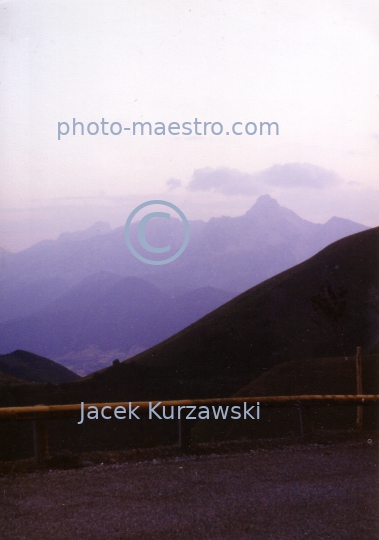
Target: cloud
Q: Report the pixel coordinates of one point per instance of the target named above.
(223, 180)
(302, 175)
(173, 183)
(290, 175)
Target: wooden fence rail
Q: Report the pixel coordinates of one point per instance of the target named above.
(39, 414)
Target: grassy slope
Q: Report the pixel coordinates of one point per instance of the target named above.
(272, 322)
(316, 376)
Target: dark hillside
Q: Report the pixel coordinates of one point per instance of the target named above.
(274, 322)
(8, 379)
(316, 376)
(30, 367)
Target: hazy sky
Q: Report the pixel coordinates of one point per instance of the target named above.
(312, 67)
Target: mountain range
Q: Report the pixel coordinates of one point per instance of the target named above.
(271, 323)
(106, 312)
(83, 298)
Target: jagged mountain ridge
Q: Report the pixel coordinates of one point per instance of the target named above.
(231, 254)
(270, 324)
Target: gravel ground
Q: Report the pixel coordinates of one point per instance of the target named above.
(299, 492)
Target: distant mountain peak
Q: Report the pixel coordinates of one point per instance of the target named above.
(336, 227)
(339, 220)
(265, 204)
(266, 201)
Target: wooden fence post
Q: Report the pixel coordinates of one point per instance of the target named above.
(41, 446)
(184, 435)
(358, 363)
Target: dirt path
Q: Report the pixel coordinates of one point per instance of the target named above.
(295, 493)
